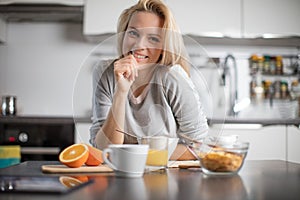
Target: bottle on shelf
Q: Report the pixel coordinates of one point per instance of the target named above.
(279, 65)
(284, 90)
(260, 61)
(277, 89)
(253, 64)
(266, 85)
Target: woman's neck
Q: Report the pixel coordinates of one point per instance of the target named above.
(143, 79)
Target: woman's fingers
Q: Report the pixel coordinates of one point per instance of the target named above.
(126, 67)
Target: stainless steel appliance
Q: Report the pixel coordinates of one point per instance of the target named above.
(40, 138)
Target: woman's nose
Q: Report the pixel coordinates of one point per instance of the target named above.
(141, 43)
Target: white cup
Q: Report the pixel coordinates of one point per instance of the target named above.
(127, 160)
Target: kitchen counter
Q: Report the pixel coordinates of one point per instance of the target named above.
(226, 120)
(261, 121)
(36, 119)
(272, 179)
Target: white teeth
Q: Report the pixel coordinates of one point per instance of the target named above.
(140, 57)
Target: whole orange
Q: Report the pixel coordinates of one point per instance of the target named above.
(95, 157)
(75, 155)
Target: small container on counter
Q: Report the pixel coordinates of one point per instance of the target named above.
(9, 106)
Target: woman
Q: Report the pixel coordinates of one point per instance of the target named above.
(147, 90)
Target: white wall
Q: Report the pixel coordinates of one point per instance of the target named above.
(42, 62)
(39, 64)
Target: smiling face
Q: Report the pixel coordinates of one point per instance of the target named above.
(144, 38)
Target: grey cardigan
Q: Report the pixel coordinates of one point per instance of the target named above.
(169, 104)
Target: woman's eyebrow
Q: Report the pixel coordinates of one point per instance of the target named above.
(131, 27)
(155, 35)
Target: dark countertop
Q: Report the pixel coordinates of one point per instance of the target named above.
(272, 179)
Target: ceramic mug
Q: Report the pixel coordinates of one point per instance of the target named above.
(127, 160)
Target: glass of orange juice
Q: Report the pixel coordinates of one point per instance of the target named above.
(158, 151)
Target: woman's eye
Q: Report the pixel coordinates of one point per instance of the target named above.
(133, 33)
(154, 39)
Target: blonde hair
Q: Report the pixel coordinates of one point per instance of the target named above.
(174, 51)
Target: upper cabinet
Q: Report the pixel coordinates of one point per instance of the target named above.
(271, 18)
(101, 16)
(208, 18)
(198, 17)
(211, 18)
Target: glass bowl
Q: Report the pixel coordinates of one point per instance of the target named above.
(220, 158)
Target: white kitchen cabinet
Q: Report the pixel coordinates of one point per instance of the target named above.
(276, 17)
(2, 30)
(266, 143)
(101, 16)
(293, 147)
(82, 132)
(212, 18)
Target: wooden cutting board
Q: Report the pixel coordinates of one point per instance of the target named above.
(184, 164)
(82, 169)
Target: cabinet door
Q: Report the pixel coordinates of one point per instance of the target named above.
(277, 17)
(266, 143)
(101, 16)
(208, 17)
(293, 147)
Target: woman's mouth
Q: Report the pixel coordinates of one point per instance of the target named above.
(139, 56)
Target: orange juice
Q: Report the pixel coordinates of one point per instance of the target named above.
(157, 157)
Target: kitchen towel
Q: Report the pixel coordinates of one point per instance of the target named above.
(9, 155)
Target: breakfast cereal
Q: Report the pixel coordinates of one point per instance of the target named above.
(222, 161)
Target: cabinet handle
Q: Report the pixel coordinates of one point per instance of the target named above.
(40, 150)
(237, 126)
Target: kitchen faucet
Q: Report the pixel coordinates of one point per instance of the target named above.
(233, 92)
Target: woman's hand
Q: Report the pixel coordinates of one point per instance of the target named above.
(125, 70)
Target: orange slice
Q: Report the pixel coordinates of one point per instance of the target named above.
(75, 155)
(95, 157)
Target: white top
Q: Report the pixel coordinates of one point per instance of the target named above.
(168, 105)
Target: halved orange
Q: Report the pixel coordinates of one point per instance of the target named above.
(95, 157)
(75, 155)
